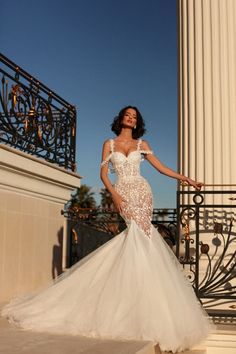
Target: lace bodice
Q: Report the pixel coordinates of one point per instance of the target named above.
(126, 166)
(131, 186)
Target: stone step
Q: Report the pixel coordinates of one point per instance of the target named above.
(221, 343)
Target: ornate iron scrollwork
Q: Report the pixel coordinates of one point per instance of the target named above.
(219, 275)
(34, 119)
(210, 262)
(89, 228)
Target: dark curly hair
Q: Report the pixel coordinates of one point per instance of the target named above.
(116, 126)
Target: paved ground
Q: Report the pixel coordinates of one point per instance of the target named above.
(14, 340)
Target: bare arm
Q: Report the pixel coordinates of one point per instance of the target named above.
(159, 166)
(117, 199)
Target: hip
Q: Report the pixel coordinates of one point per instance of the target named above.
(132, 184)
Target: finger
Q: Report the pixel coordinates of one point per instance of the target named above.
(117, 208)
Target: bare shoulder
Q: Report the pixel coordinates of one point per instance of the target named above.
(145, 145)
(106, 142)
(106, 145)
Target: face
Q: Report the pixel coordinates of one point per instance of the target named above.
(130, 118)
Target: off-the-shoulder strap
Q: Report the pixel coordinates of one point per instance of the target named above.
(143, 151)
(146, 152)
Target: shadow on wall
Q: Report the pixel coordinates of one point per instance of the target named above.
(57, 255)
(84, 239)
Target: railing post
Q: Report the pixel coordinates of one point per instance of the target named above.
(178, 194)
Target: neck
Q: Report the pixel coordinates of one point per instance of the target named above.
(126, 134)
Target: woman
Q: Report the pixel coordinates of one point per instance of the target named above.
(134, 199)
(132, 287)
(171, 297)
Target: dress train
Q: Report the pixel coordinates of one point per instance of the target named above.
(132, 287)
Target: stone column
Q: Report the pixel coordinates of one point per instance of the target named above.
(207, 90)
(207, 107)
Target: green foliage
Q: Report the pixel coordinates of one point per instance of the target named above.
(106, 199)
(84, 197)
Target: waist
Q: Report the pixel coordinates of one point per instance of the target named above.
(129, 178)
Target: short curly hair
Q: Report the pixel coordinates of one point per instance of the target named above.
(139, 131)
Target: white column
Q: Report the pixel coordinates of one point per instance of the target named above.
(207, 90)
(207, 99)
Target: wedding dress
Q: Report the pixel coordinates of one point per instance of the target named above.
(132, 287)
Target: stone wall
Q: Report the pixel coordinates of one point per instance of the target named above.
(32, 238)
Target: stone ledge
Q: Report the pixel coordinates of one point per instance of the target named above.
(36, 159)
(23, 173)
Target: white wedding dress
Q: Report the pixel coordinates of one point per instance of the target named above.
(132, 287)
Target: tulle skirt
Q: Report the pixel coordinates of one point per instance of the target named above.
(132, 287)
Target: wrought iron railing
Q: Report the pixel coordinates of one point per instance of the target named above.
(89, 228)
(100, 218)
(34, 119)
(202, 229)
(207, 246)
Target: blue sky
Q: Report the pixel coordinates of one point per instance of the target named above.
(102, 55)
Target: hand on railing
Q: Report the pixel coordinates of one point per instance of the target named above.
(185, 183)
(191, 182)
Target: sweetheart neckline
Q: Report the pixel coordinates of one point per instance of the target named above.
(119, 152)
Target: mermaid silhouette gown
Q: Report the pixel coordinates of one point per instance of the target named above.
(132, 287)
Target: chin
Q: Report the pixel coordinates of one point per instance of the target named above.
(128, 126)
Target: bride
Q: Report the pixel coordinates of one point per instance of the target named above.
(132, 287)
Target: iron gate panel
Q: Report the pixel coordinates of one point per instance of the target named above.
(207, 247)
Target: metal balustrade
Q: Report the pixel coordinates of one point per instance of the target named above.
(207, 246)
(89, 228)
(34, 119)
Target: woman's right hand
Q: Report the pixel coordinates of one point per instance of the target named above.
(118, 202)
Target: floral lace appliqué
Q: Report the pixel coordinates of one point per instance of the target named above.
(132, 187)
